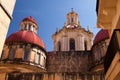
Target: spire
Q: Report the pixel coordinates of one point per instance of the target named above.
(88, 28)
(57, 29)
(64, 23)
(71, 9)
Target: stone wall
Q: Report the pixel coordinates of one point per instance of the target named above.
(67, 61)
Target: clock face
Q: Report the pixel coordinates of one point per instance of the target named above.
(70, 61)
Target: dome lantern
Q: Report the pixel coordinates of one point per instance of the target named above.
(72, 18)
(29, 23)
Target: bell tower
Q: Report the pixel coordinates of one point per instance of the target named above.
(72, 37)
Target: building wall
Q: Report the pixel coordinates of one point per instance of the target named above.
(109, 15)
(113, 72)
(68, 61)
(111, 62)
(6, 10)
(109, 18)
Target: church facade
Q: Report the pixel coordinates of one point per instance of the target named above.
(76, 55)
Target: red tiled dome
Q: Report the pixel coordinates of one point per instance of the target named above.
(30, 19)
(26, 37)
(101, 35)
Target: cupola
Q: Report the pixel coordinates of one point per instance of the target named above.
(29, 24)
(72, 19)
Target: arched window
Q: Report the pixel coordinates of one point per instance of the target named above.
(12, 53)
(29, 26)
(72, 44)
(25, 27)
(37, 58)
(59, 46)
(85, 45)
(26, 54)
(71, 19)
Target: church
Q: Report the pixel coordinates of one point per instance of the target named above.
(76, 55)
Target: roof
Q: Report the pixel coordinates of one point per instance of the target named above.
(101, 35)
(26, 37)
(31, 19)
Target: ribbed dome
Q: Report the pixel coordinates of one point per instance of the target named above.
(101, 35)
(31, 19)
(26, 37)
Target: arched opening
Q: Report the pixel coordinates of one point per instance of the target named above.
(12, 53)
(85, 45)
(72, 44)
(26, 54)
(59, 46)
(71, 19)
(37, 58)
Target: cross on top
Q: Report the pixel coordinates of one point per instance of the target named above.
(72, 9)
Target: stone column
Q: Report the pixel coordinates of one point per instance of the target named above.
(85, 77)
(82, 43)
(45, 77)
(68, 44)
(6, 10)
(33, 76)
(63, 44)
(93, 77)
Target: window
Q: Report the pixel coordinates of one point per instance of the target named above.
(26, 54)
(29, 27)
(71, 19)
(85, 45)
(12, 54)
(72, 44)
(59, 46)
(42, 61)
(25, 27)
(37, 58)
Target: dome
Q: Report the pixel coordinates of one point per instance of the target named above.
(31, 19)
(26, 37)
(101, 35)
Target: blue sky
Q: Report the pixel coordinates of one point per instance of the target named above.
(51, 14)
